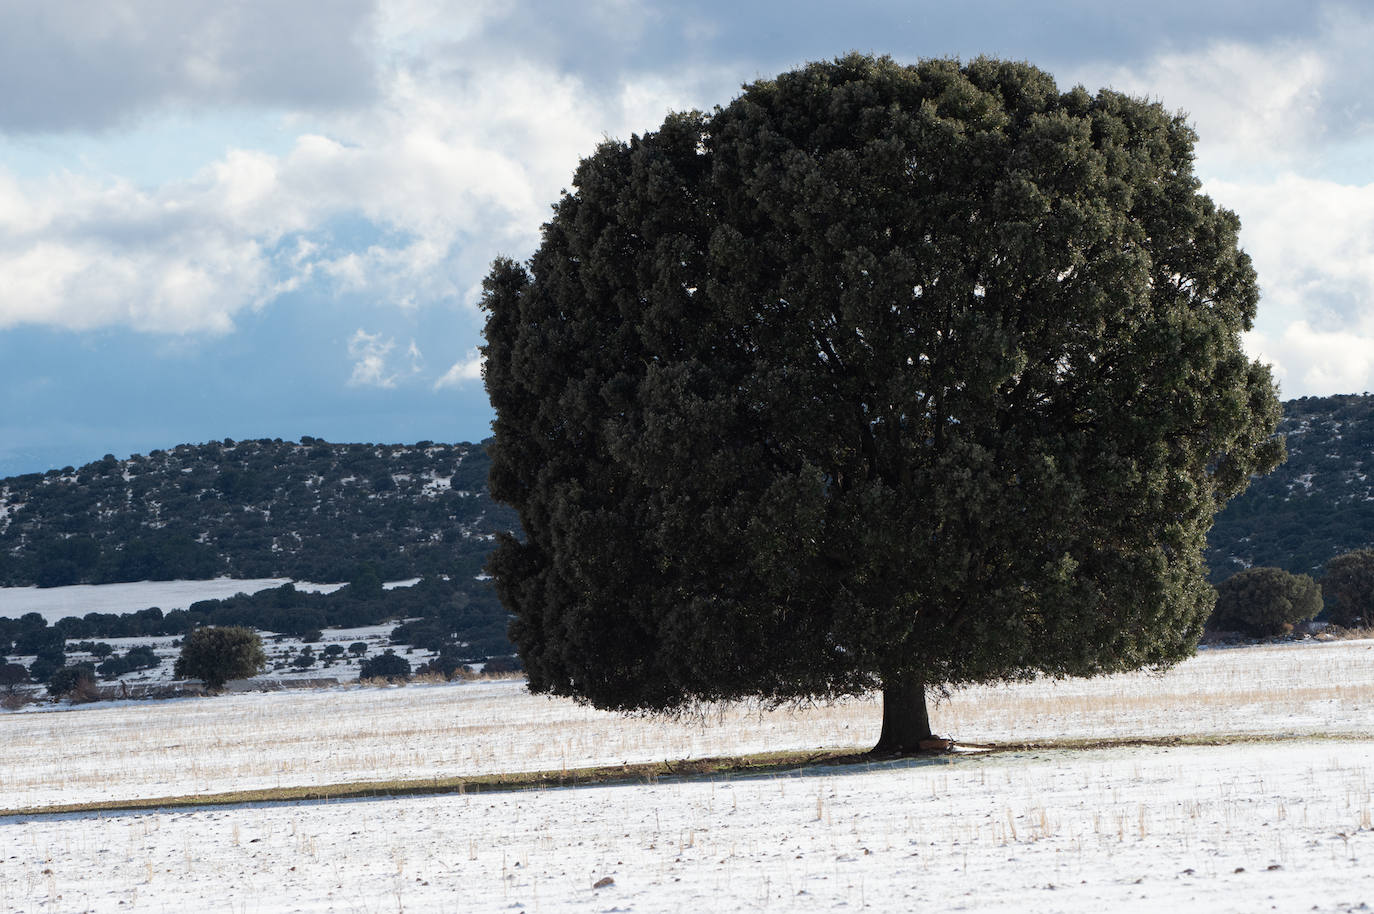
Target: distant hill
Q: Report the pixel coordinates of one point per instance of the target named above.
(1317, 505)
(319, 511)
(309, 510)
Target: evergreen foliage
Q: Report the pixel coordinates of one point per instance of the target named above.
(1264, 602)
(43, 667)
(879, 375)
(450, 610)
(1349, 587)
(387, 665)
(12, 675)
(217, 654)
(76, 682)
(140, 657)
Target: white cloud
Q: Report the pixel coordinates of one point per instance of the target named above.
(1313, 245)
(463, 371)
(1312, 242)
(1246, 101)
(85, 66)
(373, 365)
(1285, 103)
(1308, 362)
(461, 146)
(453, 166)
(78, 256)
(370, 352)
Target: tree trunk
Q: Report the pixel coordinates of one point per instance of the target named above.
(906, 723)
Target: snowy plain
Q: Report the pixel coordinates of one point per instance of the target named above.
(54, 603)
(1275, 815)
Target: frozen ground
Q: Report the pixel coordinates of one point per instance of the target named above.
(1218, 830)
(54, 603)
(1282, 824)
(112, 750)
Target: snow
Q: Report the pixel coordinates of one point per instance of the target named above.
(54, 603)
(1276, 815)
(1222, 829)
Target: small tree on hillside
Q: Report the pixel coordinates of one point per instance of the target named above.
(880, 376)
(43, 667)
(1349, 582)
(1264, 602)
(12, 676)
(386, 666)
(217, 654)
(76, 682)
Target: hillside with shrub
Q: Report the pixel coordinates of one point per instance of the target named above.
(309, 510)
(1316, 505)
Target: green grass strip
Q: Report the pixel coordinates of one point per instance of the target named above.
(764, 763)
(643, 773)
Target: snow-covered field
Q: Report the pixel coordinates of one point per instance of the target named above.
(1279, 824)
(79, 599)
(54, 603)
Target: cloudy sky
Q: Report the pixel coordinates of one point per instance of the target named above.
(270, 218)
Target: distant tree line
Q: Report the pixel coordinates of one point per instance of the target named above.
(461, 619)
(1265, 601)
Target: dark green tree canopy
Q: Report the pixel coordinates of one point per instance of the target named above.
(1349, 581)
(386, 665)
(878, 374)
(216, 654)
(1265, 601)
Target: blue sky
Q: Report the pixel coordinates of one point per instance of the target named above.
(272, 218)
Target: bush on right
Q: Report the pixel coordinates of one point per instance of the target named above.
(1264, 602)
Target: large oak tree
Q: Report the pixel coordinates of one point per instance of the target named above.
(879, 376)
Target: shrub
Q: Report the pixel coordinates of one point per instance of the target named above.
(76, 682)
(386, 666)
(358, 648)
(1349, 582)
(97, 649)
(450, 662)
(12, 676)
(42, 669)
(1265, 602)
(216, 654)
(142, 657)
(503, 665)
(304, 660)
(13, 701)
